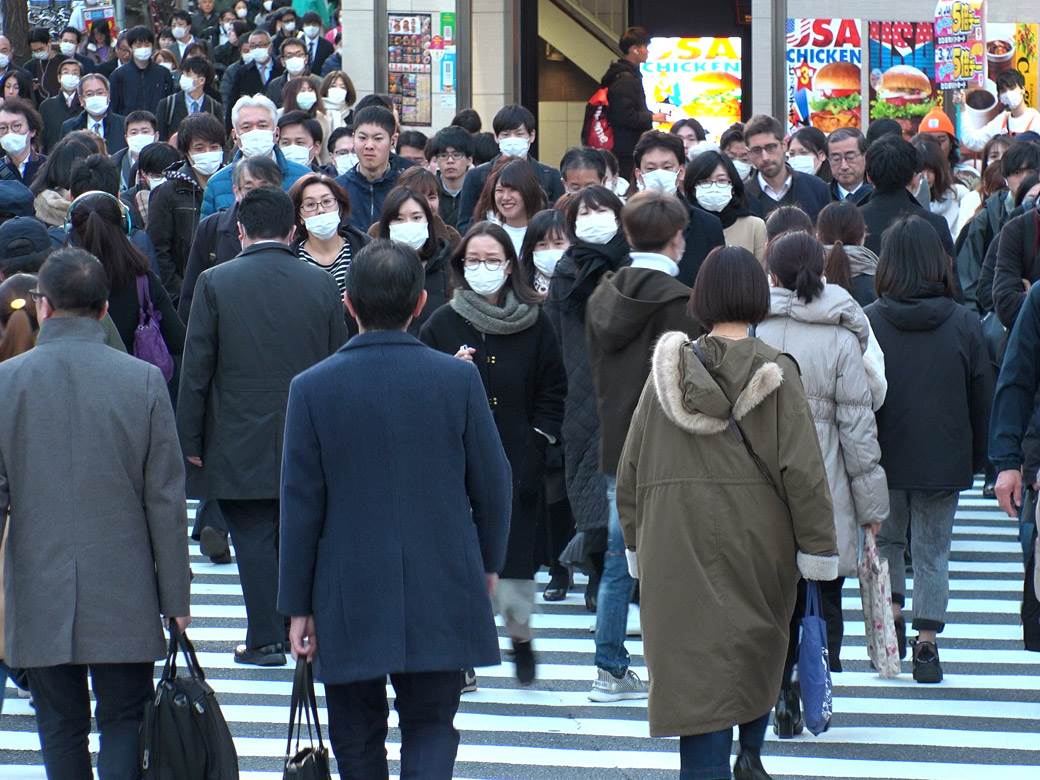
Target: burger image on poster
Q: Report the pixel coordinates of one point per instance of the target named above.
(714, 95)
(903, 93)
(836, 100)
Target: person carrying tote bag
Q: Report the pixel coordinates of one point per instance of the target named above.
(309, 763)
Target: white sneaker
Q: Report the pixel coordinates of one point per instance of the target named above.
(609, 688)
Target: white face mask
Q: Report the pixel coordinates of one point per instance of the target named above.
(803, 163)
(67, 48)
(661, 180)
(414, 234)
(1012, 99)
(297, 154)
(155, 181)
(14, 143)
(311, 31)
(180, 33)
(207, 163)
(620, 186)
(241, 12)
(514, 147)
(138, 142)
(4, 60)
(485, 281)
(96, 104)
(143, 53)
(295, 65)
(260, 54)
(743, 169)
(344, 162)
(37, 55)
(267, 5)
(289, 27)
(337, 95)
(187, 82)
(598, 228)
(323, 225)
(714, 197)
(306, 100)
(167, 65)
(69, 81)
(545, 260)
(256, 143)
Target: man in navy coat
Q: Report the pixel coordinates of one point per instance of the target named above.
(396, 497)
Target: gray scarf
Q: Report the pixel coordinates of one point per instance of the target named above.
(511, 317)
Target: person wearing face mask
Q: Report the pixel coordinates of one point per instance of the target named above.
(510, 198)
(20, 128)
(544, 244)
(96, 115)
(190, 98)
(341, 149)
(300, 96)
(494, 321)
(62, 106)
(626, 315)
(338, 96)
(45, 64)
(293, 55)
(256, 135)
(515, 131)
(408, 218)
(140, 131)
(1016, 117)
(284, 26)
(659, 159)
(599, 246)
(180, 27)
(712, 183)
(175, 205)
(807, 153)
(141, 83)
(777, 183)
(300, 138)
(731, 144)
(318, 49)
(149, 173)
(258, 70)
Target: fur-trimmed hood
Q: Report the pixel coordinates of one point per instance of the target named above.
(696, 396)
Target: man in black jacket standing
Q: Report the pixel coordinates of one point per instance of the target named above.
(268, 317)
(627, 113)
(141, 83)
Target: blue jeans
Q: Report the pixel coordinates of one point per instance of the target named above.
(615, 593)
(706, 756)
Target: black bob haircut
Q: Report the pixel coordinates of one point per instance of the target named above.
(912, 260)
(730, 287)
(266, 213)
(74, 281)
(513, 117)
(384, 284)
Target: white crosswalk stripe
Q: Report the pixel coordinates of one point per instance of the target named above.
(982, 722)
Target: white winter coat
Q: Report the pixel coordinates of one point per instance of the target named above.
(828, 338)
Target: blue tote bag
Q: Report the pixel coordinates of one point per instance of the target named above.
(814, 674)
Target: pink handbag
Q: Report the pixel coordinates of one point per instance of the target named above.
(875, 589)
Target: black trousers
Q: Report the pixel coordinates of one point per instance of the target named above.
(63, 717)
(830, 593)
(426, 703)
(253, 525)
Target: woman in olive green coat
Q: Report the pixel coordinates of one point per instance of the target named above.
(718, 552)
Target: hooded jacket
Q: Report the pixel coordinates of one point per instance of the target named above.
(828, 337)
(627, 112)
(718, 584)
(862, 270)
(933, 426)
(627, 313)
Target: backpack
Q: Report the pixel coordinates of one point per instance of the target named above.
(149, 345)
(596, 131)
(184, 735)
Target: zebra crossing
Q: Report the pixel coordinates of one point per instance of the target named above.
(981, 723)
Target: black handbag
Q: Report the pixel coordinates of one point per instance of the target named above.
(309, 763)
(184, 735)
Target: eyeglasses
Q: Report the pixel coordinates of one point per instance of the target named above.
(490, 263)
(758, 151)
(449, 156)
(849, 157)
(15, 127)
(312, 206)
(717, 185)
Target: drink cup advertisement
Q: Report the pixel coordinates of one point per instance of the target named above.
(824, 72)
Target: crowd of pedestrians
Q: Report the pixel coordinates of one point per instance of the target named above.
(402, 373)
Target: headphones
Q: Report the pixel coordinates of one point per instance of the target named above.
(123, 210)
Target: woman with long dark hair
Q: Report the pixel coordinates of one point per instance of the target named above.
(494, 321)
(934, 424)
(546, 241)
(944, 190)
(712, 183)
(841, 229)
(511, 196)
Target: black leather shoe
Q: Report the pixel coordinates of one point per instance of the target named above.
(787, 716)
(268, 655)
(927, 668)
(523, 657)
(591, 592)
(214, 545)
(559, 584)
(749, 766)
(469, 681)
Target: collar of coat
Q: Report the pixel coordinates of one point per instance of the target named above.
(676, 374)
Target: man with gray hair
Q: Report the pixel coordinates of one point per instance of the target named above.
(97, 116)
(99, 423)
(254, 121)
(260, 68)
(846, 153)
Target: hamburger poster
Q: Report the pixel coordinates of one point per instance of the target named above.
(824, 61)
(696, 77)
(902, 69)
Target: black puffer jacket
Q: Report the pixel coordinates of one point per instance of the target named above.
(628, 115)
(577, 274)
(173, 218)
(439, 286)
(1018, 258)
